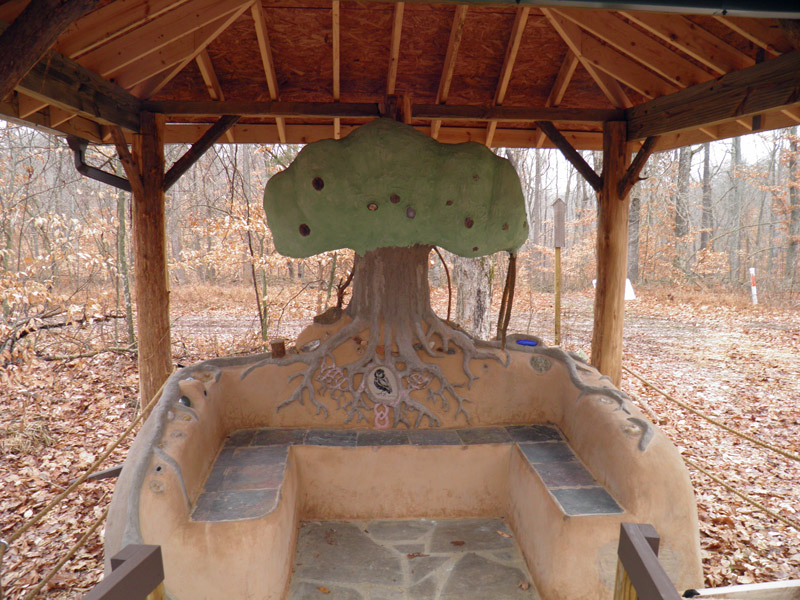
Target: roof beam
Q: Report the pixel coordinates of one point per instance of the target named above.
(514, 114)
(164, 58)
(520, 20)
(31, 35)
(571, 34)
(213, 86)
(270, 109)
(773, 84)
(638, 46)
(394, 47)
(692, 39)
(456, 33)
(460, 112)
(110, 21)
(595, 55)
(158, 33)
(265, 49)
(560, 85)
(155, 85)
(66, 84)
(758, 31)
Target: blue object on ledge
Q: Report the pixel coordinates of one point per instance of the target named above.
(527, 342)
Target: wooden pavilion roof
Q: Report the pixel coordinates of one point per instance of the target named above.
(297, 71)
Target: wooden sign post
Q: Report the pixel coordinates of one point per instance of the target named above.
(558, 243)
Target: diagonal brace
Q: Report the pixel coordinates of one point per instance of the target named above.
(193, 154)
(571, 154)
(631, 176)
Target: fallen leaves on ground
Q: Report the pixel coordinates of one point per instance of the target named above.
(738, 364)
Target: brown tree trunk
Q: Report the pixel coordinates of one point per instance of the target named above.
(474, 294)
(707, 220)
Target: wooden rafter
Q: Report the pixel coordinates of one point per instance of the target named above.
(336, 38)
(156, 34)
(463, 112)
(32, 34)
(58, 116)
(164, 58)
(607, 59)
(156, 84)
(213, 86)
(771, 85)
(560, 85)
(265, 50)
(28, 106)
(571, 35)
(456, 33)
(791, 29)
(637, 46)
(59, 81)
(128, 163)
(761, 32)
(520, 20)
(394, 47)
(693, 40)
(111, 21)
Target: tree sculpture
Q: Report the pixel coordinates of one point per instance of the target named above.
(390, 193)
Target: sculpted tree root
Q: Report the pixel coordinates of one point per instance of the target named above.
(391, 313)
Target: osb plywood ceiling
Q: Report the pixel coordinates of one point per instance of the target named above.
(302, 70)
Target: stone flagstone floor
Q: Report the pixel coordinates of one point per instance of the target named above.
(465, 559)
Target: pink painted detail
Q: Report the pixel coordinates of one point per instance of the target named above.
(381, 416)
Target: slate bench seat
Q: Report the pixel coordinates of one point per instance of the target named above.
(247, 475)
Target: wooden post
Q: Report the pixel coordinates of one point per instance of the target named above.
(558, 242)
(150, 260)
(612, 255)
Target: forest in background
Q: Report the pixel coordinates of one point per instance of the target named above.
(702, 217)
(68, 378)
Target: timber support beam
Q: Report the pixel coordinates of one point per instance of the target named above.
(150, 260)
(612, 255)
(613, 187)
(32, 34)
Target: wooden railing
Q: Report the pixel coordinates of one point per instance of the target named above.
(639, 572)
(137, 573)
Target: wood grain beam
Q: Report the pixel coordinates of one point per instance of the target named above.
(158, 33)
(28, 106)
(155, 85)
(267, 61)
(111, 21)
(166, 57)
(461, 112)
(32, 34)
(265, 109)
(512, 48)
(59, 81)
(394, 47)
(560, 85)
(631, 176)
(791, 29)
(456, 33)
(764, 33)
(599, 56)
(193, 154)
(571, 34)
(128, 163)
(770, 85)
(637, 46)
(692, 39)
(572, 155)
(209, 75)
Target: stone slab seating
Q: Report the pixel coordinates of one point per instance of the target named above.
(245, 481)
